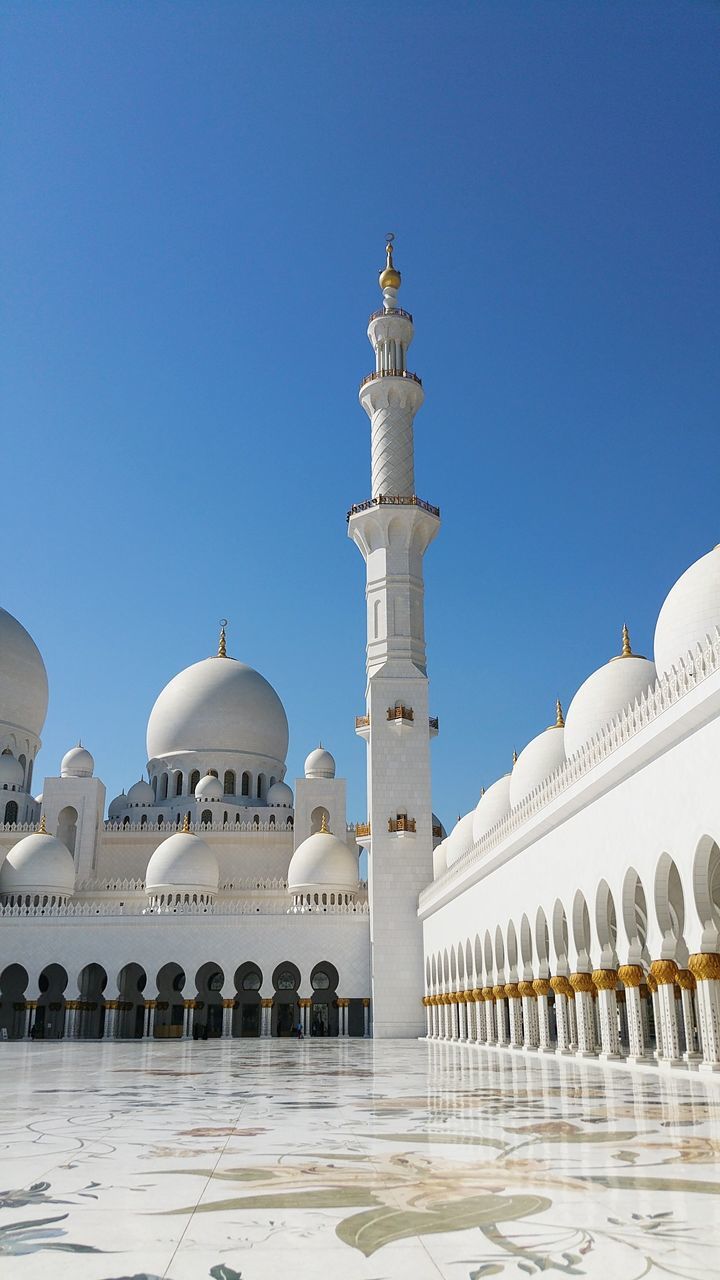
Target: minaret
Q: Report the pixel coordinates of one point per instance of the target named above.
(393, 530)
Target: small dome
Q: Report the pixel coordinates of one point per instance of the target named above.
(541, 757)
(182, 864)
(440, 865)
(320, 764)
(209, 788)
(280, 796)
(77, 763)
(460, 839)
(11, 773)
(492, 807)
(38, 864)
(23, 678)
(605, 694)
(117, 806)
(691, 612)
(140, 795)
(323, 862)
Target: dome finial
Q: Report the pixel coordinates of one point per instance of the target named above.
(389, 278)
(42, 829)
(186, 824)
(626, 650)
(515, 756)
(559, 717)
(222, 648)
(324, 826)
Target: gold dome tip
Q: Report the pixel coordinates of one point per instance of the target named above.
(186, 823)
(559, 717)
(42, 829)
(626, 649)
(324, 826)
(515, 756)
(390, 278)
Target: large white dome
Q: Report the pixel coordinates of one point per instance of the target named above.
(460, 839)
(691, 612)
(218, 704)
(491, 807)
(23, 678)
(541, 757)
(605, 694)
(183, 863)
(323, 862)
(38, 864)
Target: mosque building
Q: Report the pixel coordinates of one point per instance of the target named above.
(575, 910)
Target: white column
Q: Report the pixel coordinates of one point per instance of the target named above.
(343, 1018)
(705, 968)
(516, 1022)
(563, 1005)
(462, 1020)
(582, 985)
(541, 987)
(687, 992)
(664, 972)
(605, 981)
(366, 1019)
(490, 1018)
(110, 1022)
(227, 1014)
(70, 1021)
(266, 1026)
(150, 1023)
(187, 1015)
(480, 1021)
(530, 1022)
(632, 976)
(657, 1016)
(500, 1022)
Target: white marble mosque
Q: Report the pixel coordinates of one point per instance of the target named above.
(574, 911)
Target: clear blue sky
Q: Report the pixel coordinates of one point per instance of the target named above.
(194, 199)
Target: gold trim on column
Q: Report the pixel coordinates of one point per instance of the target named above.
(582, 983)
(526, 989)
(664, 972)
(605, 979)
(476, 994)
(488, 993)
(561, 986)
(267, 1003)
(499, 993)
(541, 986)
(652, 983)
(705, 966)
(631, 975)
(685, 980)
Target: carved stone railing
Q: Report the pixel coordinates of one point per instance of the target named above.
(238, 907)
(400, 713)
(391, 373)
(668, 689)
(390, 311)
(169, 828)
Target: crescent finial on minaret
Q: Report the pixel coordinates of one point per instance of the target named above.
(390, 278)
(222, 647)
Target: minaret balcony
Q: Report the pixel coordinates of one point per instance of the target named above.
(362, 833)
(434, 725)
(362, 727)
(391, 373)
(400, 713)
(401, 825)
(390, 311)
(394, 500)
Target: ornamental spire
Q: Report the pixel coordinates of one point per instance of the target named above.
(324, 826)
(42, 829)
(626, 649)
(559, 717)
(390, 278)
(222, 648)
(186, 824)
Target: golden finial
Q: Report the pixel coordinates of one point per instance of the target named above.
(514, 756)
(559, 717)
(186, 823)
(222, 649)
(324, 826)
(626, 650)
(42, 829)
(390, 277)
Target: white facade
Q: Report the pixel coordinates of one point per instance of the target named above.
(575, 909)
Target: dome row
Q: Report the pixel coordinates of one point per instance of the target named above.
(689, 616)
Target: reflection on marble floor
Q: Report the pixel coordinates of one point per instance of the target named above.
(350, 1159)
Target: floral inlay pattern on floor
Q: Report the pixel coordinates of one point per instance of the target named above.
(245, 1160)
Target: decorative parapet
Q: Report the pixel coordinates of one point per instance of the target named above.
(400, 713)
(202, 828)
(400, 823)
(434, 723)
(235, 907)
(362, 722)
(391, 373)
(668, 689)
(394, 500)
(362, 828)
(390, 311)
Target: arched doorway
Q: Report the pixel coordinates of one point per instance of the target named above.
(13, 1008)
(285, 1008)
(324, 1016)
(49, 1021)
(208, 1013)
(170, 1004)
(130, 1022)
(90, 1023)
(67, 827)
(248, 1007)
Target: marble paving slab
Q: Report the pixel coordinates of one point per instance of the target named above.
(362, 1160)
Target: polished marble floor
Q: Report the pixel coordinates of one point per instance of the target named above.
(350, 1159)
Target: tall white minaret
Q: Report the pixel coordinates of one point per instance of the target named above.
(393, 530)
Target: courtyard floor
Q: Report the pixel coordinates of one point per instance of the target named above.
(350, 1159)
